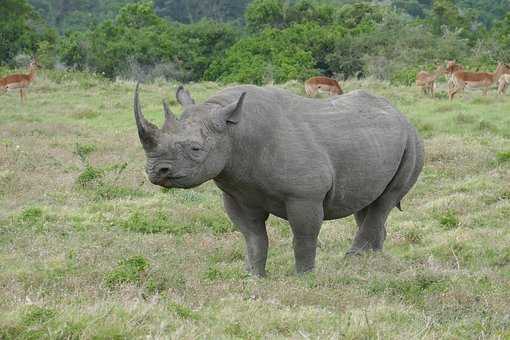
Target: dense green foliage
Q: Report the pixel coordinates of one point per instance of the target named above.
(259, 41)
(77, 14)
(190, 11)
(22, 30)
(139, 43)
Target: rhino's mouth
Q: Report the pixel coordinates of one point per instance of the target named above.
(171, 178)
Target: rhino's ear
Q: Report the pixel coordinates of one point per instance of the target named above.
(183, 97)
(170, 120)
(147, 131)
(231, 113)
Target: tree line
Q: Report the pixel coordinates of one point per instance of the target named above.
(256, 41)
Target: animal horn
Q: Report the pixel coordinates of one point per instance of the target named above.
(170, 119)
(146, 130)
(183, 96)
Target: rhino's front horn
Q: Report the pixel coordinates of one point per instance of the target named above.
(147, 131)
(170, 120)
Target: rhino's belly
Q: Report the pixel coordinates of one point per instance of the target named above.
(341, 205)
(359, 183)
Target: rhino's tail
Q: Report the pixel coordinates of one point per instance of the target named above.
(399, 207)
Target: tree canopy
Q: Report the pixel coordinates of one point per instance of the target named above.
(255, 41)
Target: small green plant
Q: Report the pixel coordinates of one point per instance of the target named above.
(503, 156)
(412, 235)
(183, 312)
(36, 315)
(129, 270)
(89, 175)
(237, 331)
(31, 215)
(217, 222)
(83, 151)
(449, 220)
(216, 273)
(32, 218)
(155, 223)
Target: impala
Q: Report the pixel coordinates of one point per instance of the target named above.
(315, 84)
(484, 80)
(19, 81)
(427, 80)
(451, 68)
(503, 81)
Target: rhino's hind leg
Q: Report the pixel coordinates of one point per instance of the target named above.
(371, 220)
(251, 223)
(305, 218)
(371, 230)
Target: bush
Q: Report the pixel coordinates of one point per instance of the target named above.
(273, 55)
(73, 49)
(46, 54)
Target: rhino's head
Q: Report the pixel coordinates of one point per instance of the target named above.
(187, 152)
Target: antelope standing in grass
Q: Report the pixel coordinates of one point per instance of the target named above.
(503, 82)
(451, 68)
(315, 84)
(427, 80)
(484, 80)
(20, 81)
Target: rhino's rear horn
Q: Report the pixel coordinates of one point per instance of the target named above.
(170, 120)
(147, 131)
(183, 96)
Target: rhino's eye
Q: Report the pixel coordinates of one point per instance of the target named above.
(196, 151)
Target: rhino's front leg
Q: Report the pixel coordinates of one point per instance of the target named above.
(251, 223)
(305, 218)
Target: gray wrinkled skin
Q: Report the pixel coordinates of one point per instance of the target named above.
(304, 160)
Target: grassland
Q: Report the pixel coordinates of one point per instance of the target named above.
(90, 249)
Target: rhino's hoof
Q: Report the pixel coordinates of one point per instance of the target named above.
(355, 252)
(256, 273)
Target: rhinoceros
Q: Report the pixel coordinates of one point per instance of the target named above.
(304, 160)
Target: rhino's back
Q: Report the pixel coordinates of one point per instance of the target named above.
(271, 104)
(346, 148)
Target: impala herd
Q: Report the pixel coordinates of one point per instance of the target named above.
(457, 77)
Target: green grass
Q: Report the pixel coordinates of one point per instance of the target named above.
(90, 249)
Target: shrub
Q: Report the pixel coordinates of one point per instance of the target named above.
(46, 54)
(271, 55)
